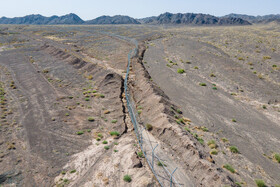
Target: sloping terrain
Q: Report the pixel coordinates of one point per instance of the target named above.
(42, 20)
(113, 20)
(228, 86)
(193, 19)
(255, 19)
(208, 97)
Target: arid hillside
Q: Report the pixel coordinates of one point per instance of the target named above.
(206, 100)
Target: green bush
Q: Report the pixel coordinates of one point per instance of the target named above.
(114, 133)
(80, 132)
(161, 164)
(127, 178)
(214, 152)
(277, 157)
(149, 127)
(106, 147)
(100, 135)
(211, 142)
(260, 183)
(104, 142)
(140, 154)
(87, 99)
(181, 71)
(229, 167)
(91, 119)
(202, 84)
(233, 149)
(73, 171)
(114, 121)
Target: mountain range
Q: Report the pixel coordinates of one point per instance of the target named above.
(166, 18)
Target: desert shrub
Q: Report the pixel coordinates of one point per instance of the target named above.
(187, 129)
(260, 183)
(127, 178)
(241, 58)
(80, 132)
(115, 150)
(224, 140)
(98, 139)
(105, 142)
(205, 129)
(87, 99)
(266, 57)
(233, 149)
(139, 111)
(211, 142)
(106, 147)
(195, 67)
(73, 171)
(140, 154)
(100, 135)
(212, 75)
(114, 121)
(277, 157)
(149, 127)
(200, 140)
(63, 172)
(180, 71)
(202, 84)
(179, 111)
(229, 167)
(214, 152)
(233, 120)
(274, 66)
(91, 119)
(114, 133)
(214, 88)
(264, 107)
(161, 164)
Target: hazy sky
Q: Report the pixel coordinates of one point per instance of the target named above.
(89, 9)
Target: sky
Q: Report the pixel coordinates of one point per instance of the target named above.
(90, 9)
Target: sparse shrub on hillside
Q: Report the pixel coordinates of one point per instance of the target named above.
(149, 127)
(233, 120)
(229, 167)
(114, 121)
(106, 147)
(127, 178)
(241, 58)
(80, 132)
(260, 183)
(202, 84)
(266, 57)
(274, 66)
(161, 164)
(91, 119)
(233, 149)
(73, 171)
(114, 133)
(140, 154)
(214, 152)
(212, 75)
(277, 157)
(224, 140)
(195, 67)
(180, 71)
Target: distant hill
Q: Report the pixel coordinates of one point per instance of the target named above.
(42, 20)
(193, 19)
(256, 19)
(113, 20)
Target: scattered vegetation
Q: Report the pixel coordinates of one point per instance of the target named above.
(140, 154)
(91, 119)
(229, 167)
(260, 183)
(180, 71)
(161, 164)
(114, 133)
(202, 84)
(277, 157)
(73, 171)
(114, 121)
(266, 57)
(214, 152)
(233, 120)
(106, 147)
(127, 178)
(149, 127)
(233, 149)
(80, 132)
(105, 142)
